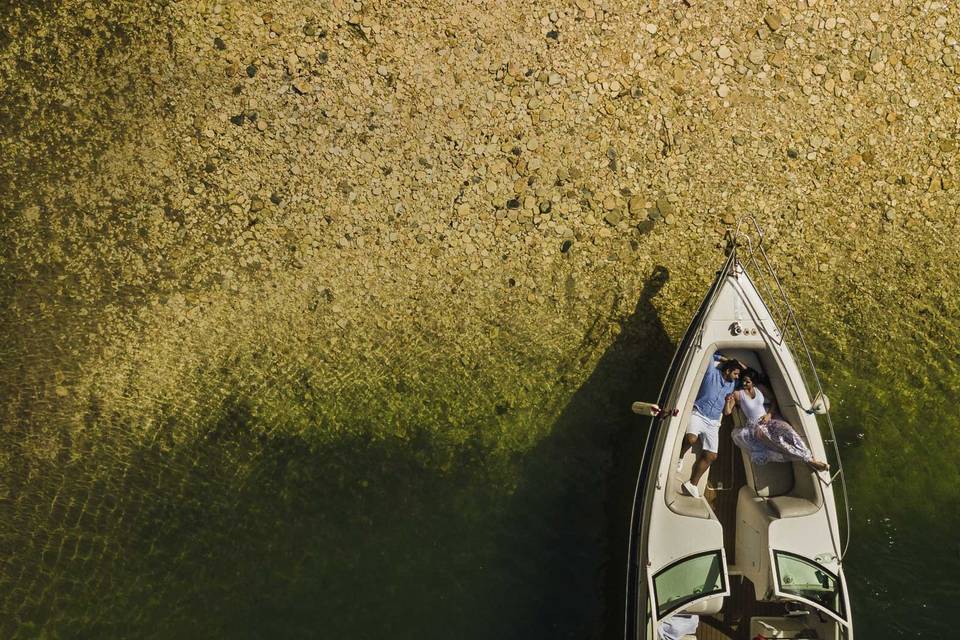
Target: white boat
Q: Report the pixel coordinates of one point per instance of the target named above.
(759, 554)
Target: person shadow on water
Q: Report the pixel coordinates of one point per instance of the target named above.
(574, 502)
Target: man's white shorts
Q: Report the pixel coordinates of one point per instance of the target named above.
(707, 429)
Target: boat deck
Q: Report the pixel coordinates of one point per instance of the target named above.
(726, 477)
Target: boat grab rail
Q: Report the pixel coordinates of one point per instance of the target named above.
(788, 316)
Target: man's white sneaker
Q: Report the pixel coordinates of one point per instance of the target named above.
(691, 489)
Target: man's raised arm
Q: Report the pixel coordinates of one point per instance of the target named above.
(720, 359)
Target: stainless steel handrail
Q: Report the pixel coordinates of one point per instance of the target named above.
(790, 316)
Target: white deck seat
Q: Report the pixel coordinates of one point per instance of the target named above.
(775, 482)
(768, 480)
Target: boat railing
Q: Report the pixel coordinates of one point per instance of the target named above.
(746, 245)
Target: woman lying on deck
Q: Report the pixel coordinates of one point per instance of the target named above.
(765, 438)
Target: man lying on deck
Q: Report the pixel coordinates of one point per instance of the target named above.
(711, 403)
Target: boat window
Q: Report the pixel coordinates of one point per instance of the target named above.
(806, 579)
(688, 580)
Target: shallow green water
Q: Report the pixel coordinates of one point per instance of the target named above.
(249, 533)
(898, 428)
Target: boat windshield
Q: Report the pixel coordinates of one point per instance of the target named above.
(687, 580)
(803, 578)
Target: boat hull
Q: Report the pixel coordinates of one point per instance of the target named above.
(751, 514)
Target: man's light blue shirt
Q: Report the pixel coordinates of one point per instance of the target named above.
(713, 392)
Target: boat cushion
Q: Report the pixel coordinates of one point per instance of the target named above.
(772, 479)
(791, 506)
(707, 607)
(768, 480)
(690, 506)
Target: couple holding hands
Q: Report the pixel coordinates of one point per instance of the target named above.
(766, 436)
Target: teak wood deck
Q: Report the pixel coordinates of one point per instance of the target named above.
(726, 477)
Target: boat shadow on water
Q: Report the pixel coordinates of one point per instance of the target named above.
(245, 534)
(577, 490)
